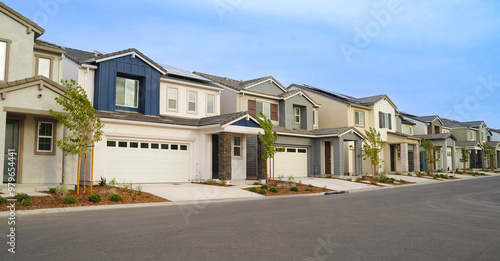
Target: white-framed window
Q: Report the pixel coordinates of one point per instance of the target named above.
(264, 107)
(411, 130)
(192, 98)
(471, 135)
(359, 118)
(385, 120)
(483, 138)
(172, 99)
(44, 66)
(127, 92)
(315, 118)
(210, 104)
(45, 137)
(297, 115)
(237, 146)
(3, 60)
(403, 128)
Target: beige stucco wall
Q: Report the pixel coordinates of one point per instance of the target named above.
(351, 119)
(57, 64)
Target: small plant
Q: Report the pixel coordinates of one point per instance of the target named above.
(359, 179)
(383, 178)
(112, 191)
(69, 200)
(262, 191)
(435, 177)
(211, 182)
(95, 197)
(402, 181)
(253, 189)
(282, 177)
(310, 186)
(26, 202)
(294, 189)
(102, 182)
(113, 182)
(409, 174)
(328, 176)
(397, 173)
(391, 181)
(139, 189)
(62, 190)
(116, 198)
(273, 189)
(52, 190)
(373, 182)
(300, 182)
(147, 196)
(127, 186)
(309, 189)
(349, 179)
(256, 183)
(223, 182)
(324, 188)
(21, 196)
(264, 186)
(419, 175)
(2, 200)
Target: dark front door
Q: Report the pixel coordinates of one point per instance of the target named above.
(473, 159)
(10, 154)
(498, 159)
(423, 162)
(393, 158)
(410, 161)
(252, 158)
(215, 156)
(479, 160)
(328, 157)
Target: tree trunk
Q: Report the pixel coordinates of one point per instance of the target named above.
(491, 164)
(273, 172)
(267, 176)
(92, 169)
(84, 172)
(78, 175)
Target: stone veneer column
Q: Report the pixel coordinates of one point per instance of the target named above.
(404, 157)
(261, 162)
(416, 158)
(225, 155)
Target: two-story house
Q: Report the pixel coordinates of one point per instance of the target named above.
(467, 137)
(162, 123)
(30, 70)
(431, 128)
(400, 150)
(308, 149)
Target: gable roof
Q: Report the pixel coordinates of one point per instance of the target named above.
(494, 144)
(78, 56)
(22, 19)
(474, 124)
(240, 85)
(404, 120)
(43, 45)
(29, 82)
(179, 72)
(440, 136)
(453, 123)
(468, 144)
(428, 119)
(290, 94)
(318, 133)
(134, 53)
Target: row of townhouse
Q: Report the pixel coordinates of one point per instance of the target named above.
(166, 124)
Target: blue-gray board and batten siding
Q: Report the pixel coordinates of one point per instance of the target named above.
(246, 123)
(128, 67)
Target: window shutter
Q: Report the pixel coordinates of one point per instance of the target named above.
(390, 121)
(274, 112)
(381, 119)
(251, 107)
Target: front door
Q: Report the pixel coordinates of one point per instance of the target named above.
(472, 159)
(215, 156)
(328, 157)
(10, 154)
(393, 158)
(410, 161)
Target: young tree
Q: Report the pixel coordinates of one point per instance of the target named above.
(371, 149)
(268, 139)
(465, 157)
(489, 153)
(430, 154)
(84, 125)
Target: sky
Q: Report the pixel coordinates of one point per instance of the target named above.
(430, 57)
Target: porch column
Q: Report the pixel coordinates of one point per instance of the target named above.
(338, 156)
(444, 156)
(404, 157)
(3, 122)
(416, 157)
(359, 161)
(453, 159)
(261, 162)
(225, 155)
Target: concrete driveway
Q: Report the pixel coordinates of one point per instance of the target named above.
(338, 184)
(178, 192)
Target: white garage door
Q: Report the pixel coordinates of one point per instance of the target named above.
(146, 162)
(291, 162)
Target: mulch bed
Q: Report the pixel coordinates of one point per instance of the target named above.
(214, 184)
(432, 177)
(367, 180)
(56, 201)
(283, 189)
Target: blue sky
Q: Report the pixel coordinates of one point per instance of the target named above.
(430, 57)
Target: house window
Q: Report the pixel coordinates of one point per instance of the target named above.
(210, 104)
(297, 115)
(359, 118)
(4, 60)
(437, 130)
(44, 67)
(265, 108)
(411, 130)
(399, 152)
(403, 129)
(127, 92)
(482, 136)
(315, 118)
(192, 101)
(237, 147)
(45, 138)
(172, 99)
(385, 120)
(471, 135)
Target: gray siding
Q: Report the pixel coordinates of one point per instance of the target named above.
(268, 88)
(287, 114)
(228, 100)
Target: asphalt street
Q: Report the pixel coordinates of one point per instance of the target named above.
(448, 221)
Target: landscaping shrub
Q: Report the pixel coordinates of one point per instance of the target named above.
(324, 188)
(62, 190)
(26, 202)
(262, 191)
(273, 189)
(373, 182)
(116, 198)
(113, 182)
(102, 181)
(402, 181)
(359, 179)
(256, 183)
(294, 189)
(223, 182)
(391, 180)
(409, 174)
(309, 189)
(211, 182)
(383, 178)
(264, 186)
(52, 190)
(328, 176)
(2, 200)
(419, 175)
(349, 179)
(397, 173)
(21, 196)
(253, 189)
(95, 197)
(436, 176)
(139, 190)
(300, 182)
(69, 200)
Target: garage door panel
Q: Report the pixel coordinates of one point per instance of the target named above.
(147, 164)
(291, 162)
